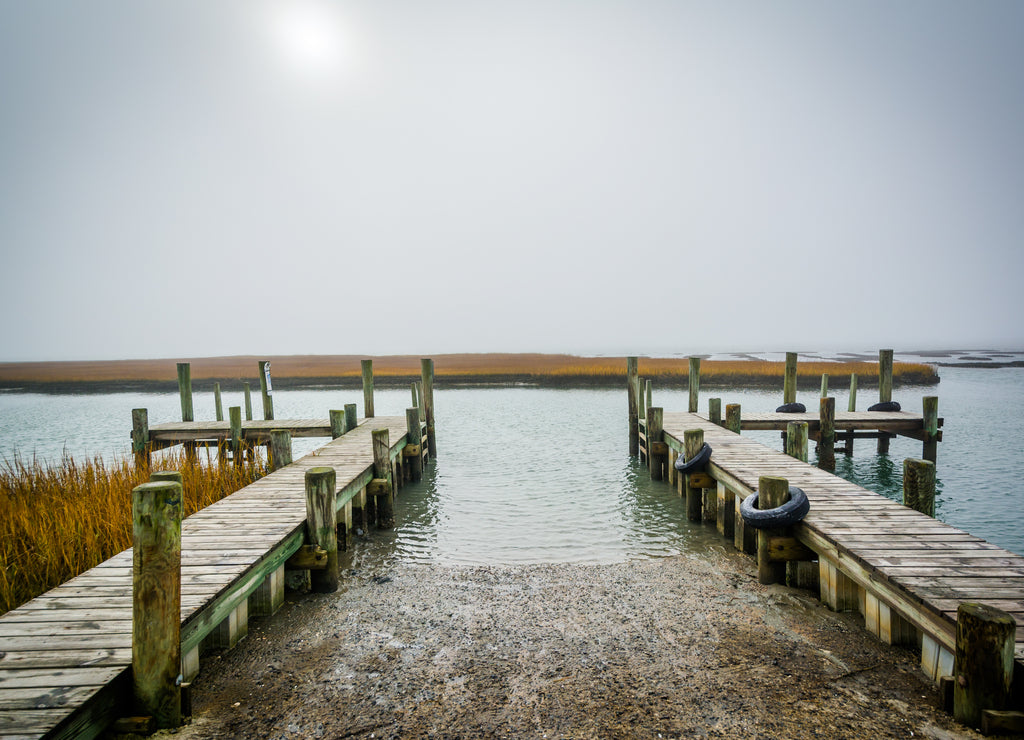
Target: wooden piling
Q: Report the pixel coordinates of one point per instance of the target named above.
(693, 376)
(732, 417)
(851, 406)
(648, 395)
(185, 391)
(919, 485)
(796, 440)
(351, 417)
(715, 411)
(657, 452)
(631, 395)
(367, 367)
(824, 385)
(427, 378)
(693, 441)
(884, 390)
(218, 405)
(789, 381)
(337, 417)
(931, 427)
(321, 525)
(156, 601)
(415, 455)
(415, 394)
(827, 434)
(771, 493)
(726, 510)
(248, 401)
(267, 390)
(235, 422)
(140, 437)
(382, 488)
(983, 665)
(280, 449)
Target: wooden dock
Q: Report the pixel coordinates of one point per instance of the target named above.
(65, 657)
(904, 571)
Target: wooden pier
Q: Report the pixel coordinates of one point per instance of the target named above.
(66, 657)
(916, 580)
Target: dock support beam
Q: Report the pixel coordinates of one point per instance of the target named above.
(771, 493)
(796, 440)
(185, 391)
(732, 417)
(884, 390)
(983, 664)
(267, 390)
(156, 601)
(218, 405)
(235, 417)
(930, 411)
(321, 525)
(427, 378)
(413, 452)
(919, 486)
(693, 440)
(657, 451)
(693, 376)
(140, 437)
(280, 448)
(248, 400)
(367, 368)
(337, 417)
(789, 380)
(351, 417)
(715, 411)
(632, 380)
(827, 434)
(381, 487)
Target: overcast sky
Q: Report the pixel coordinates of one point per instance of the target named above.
(199, 178)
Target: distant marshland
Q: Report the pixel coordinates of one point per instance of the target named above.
(549, 370)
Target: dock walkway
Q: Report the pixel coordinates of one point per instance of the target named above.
(904, 571)
(65, 656)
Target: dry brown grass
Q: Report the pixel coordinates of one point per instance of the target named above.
(445, 366)
(61, 520)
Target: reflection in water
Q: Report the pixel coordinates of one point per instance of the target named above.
(512, 485)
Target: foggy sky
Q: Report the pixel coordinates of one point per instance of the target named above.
(197, 178)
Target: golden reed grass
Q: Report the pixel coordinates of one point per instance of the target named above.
(466, 366)
(57, 521)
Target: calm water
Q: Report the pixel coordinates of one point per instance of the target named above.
(532, 475)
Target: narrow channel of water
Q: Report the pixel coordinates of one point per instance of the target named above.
(534, 475)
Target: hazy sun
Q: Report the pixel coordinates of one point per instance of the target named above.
(309, 36)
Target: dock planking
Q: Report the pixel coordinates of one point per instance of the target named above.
(917, 566)
(65, 656)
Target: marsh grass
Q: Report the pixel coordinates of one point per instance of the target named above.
(59, 520)
(561, 369)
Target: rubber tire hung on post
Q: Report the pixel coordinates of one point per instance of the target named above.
(788, 514)
(791, 408)
(697, 463)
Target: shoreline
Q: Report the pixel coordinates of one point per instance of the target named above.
(681, 646)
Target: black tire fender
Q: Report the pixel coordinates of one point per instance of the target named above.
(788, 514)
(697, 463)
(791, 408)
(886, 406)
